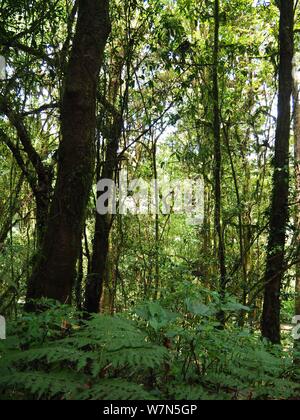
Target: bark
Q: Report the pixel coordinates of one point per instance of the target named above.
(296, 100)
(279, 207)
(157, 227)
(97, 273)
(240, 223)
(79, 280)
(218, 162)
(54, 273)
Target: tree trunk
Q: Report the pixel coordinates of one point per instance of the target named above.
(97, 273)
(275, 266)
(156, 223)
(42, 199)
(40, 180)
(54, 273)
(7, 220)
(79, 280)
(296, 100)
(218, 160)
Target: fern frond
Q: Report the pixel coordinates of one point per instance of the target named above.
(115, 389)
(43, 384)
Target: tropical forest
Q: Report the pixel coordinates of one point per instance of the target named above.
(150, 200)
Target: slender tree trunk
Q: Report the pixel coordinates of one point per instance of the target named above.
(54, 273)
(156, 239)
(40, 180)
(296, 100)
(7, 221)
(79, 280)
(97, 274)
(107, 293)
(218, 160)
(279, 208)
(205, 234)
(240, 224)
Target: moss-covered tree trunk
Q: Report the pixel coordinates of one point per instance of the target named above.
(54, 273)
(296, 100)
(275, 266)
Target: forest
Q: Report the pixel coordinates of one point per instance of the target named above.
(150, 205)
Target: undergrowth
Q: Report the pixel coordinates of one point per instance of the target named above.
(151, 353)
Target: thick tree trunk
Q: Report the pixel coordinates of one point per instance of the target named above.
(279, 208)
(54, 273)
(42, 199)
(218, 161)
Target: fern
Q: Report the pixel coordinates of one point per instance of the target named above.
(118, 342)
(48, 354)
(112, 358)
(115, 389)
(188, 392)
(81, 365)
(43, 384)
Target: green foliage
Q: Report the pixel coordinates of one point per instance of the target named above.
(155, 315)
(207, 362)
(51, 356)
(58, 355)
(157, 74)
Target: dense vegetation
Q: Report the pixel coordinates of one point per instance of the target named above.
(150, 304)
